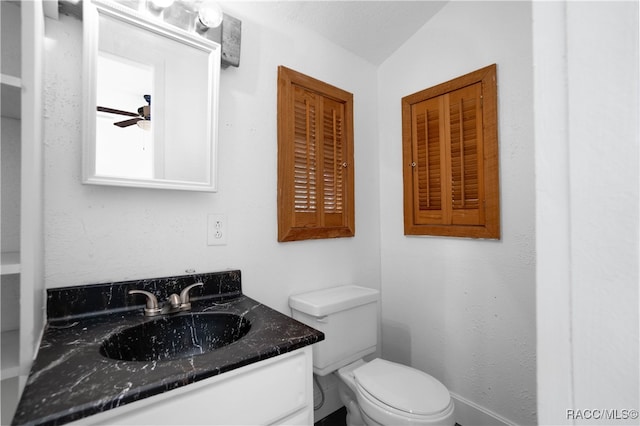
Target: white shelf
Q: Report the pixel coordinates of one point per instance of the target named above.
(9, 354)
(11, 81)
(11, 95)
(10, 263)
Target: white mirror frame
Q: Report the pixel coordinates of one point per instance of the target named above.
(93, 9)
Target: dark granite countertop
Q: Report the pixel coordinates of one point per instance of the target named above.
(70, 378)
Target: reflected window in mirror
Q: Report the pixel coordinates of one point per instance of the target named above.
(124, 137)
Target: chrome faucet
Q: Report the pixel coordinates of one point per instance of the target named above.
(173, 304)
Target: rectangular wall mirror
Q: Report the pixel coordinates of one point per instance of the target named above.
(150, 101)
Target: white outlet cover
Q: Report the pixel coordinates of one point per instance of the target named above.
(217, 230)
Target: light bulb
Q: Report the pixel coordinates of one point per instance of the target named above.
(161, 4)
(210, 14)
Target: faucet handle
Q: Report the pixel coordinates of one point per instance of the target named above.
(152, 307)
(175, 301)
(184, 296)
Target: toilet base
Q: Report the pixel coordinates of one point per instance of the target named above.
(348, 398)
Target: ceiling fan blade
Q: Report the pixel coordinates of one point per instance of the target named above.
(127, 123)
(117, 111)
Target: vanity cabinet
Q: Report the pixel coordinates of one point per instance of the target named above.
(275, 391)
(21, 270)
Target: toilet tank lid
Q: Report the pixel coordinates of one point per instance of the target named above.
(330, 300)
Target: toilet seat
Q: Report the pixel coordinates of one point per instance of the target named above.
(377, 413)
(392, 393)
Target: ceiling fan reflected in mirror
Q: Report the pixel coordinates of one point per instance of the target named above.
(142, 117)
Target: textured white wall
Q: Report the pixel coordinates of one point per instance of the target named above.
(461, 309)
(587, 189)
(99, 234)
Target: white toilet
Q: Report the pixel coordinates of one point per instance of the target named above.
(378, 392)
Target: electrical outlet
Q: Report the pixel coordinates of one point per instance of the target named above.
(217, 230)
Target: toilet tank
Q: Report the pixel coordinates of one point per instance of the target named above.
(348, 317)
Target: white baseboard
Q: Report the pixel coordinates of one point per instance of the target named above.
(468, 413)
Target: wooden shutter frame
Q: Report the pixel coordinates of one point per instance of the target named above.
(491, 228)
(287, 80)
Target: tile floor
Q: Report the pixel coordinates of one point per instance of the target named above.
(337, 418)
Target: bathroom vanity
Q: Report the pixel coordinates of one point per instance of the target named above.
(168, 369)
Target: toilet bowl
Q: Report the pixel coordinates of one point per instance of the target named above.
(386, 393)
(378, 392)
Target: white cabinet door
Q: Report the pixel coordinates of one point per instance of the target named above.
(302, 418)
(275, 391)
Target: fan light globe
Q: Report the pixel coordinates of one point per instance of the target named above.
(144, 124)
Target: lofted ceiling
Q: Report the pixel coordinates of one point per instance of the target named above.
(370, 29)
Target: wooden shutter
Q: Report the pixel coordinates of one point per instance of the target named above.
(464, 144)
(450, 151)
(315, 159)
(305, 159)
(334, 163)
(429, 162)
